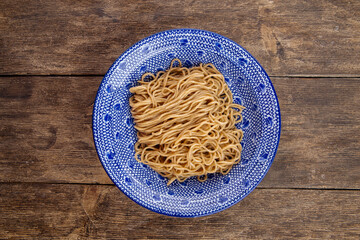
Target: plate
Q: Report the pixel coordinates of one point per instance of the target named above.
(115, 135)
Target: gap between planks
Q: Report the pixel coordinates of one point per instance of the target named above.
(109, 184)
(102, 75)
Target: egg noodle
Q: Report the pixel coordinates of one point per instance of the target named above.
(185, 118)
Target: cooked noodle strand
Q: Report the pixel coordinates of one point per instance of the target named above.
(186, 119)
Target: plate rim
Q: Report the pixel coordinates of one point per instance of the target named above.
(108, 74)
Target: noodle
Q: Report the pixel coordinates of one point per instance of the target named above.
(185, 118)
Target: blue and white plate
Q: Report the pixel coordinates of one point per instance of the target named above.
(115, 135)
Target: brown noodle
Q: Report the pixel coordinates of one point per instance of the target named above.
(186, 119)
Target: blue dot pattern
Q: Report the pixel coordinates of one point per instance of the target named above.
(115, 135)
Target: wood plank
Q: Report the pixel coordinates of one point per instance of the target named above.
(43, 211)
(46, 136)
(320, 138)
(46, 130)
(85, 37)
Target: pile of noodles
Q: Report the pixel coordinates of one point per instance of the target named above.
(185, 118)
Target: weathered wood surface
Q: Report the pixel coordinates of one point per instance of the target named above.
(85, 37)
(45, 121)
(45, 211)
(46, 135)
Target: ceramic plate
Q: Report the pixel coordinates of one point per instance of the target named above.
(115, 135)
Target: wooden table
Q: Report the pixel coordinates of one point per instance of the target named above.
(53, 55)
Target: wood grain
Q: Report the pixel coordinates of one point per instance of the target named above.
(49, 169)
(320, 137)
(46, 130)
(46, 136)
(85, 37)
(43, 211)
